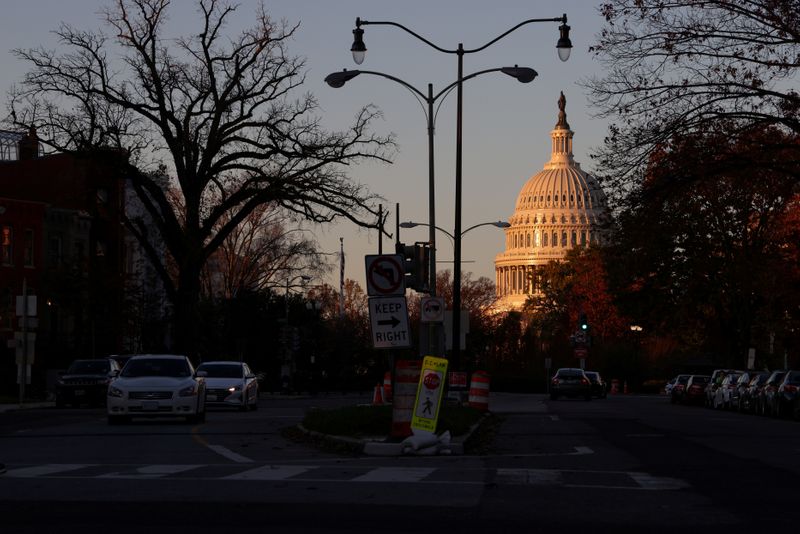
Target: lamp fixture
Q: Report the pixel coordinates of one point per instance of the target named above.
(359, 49)
(564, 44)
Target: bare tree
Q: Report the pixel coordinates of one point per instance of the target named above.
(258, 253)
(221, 113)
(677, 67)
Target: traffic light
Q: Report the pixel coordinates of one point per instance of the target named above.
(416, 265)
(583, 323)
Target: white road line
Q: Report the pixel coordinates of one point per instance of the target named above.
(649, 482)
(153, 471)
(531, 477)
(230, 455)
(644, 435)
(554, 418)
(395, 474)
(47, 469)
(270, 472)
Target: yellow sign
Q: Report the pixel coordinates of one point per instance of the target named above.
(429, 393)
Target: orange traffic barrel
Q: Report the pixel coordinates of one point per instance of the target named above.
(406, 380)
(479, 391)
(614, 386)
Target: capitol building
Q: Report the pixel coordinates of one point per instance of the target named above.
(557, 209)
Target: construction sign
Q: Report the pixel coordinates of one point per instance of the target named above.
(429, 394)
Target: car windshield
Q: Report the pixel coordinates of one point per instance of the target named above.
(793, 378)
(683, 379)
(570, 374)
(222, 370)
(89, 367)
(156, 367)
(701, 380)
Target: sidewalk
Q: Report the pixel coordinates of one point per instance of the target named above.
(26, 405)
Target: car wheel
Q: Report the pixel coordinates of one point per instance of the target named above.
(118, 419)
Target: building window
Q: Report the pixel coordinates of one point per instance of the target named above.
(28, 252)
(537, 239)
(54, 250)
(574, 238)
(544, 239)
(7, 243)
(555, 239)
(564, 239)
(528, 240)
(583, 238)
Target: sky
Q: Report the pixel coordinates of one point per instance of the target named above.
(506, 124)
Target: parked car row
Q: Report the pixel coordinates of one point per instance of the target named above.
(775, 393)
(574, 382)
(158, 385)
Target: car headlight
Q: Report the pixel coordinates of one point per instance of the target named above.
(188, 391)
(234, 388)
(115, 392)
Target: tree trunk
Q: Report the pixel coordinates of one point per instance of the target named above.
(187, 313)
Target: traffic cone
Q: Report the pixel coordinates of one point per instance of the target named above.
(387, 387)
(625, 387)
(377, 398)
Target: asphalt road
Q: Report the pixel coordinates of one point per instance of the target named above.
(623, 464)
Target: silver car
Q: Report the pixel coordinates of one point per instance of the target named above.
(230, 383)
(157, 385)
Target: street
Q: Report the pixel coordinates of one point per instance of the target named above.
(622, 464)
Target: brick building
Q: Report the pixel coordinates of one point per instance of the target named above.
(61, 231)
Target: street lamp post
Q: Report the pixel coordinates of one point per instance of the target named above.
(338, 79)
(359, 50)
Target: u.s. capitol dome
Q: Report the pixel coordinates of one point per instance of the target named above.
(557, 209)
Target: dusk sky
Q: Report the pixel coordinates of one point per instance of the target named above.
(506, 124)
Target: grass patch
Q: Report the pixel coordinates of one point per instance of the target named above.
(372, 421)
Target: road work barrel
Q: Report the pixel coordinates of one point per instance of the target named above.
(406, 379)
(479, 391)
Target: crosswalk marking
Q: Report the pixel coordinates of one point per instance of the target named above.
(152, 471)
(534, 477)
(395, 474)
(270, 472)
(43, 470)
(565, 478)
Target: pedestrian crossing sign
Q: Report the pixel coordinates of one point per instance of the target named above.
(429, 394)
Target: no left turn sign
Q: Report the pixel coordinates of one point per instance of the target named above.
(385, 275)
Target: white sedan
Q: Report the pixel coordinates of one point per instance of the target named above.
(230, 383)
(152, 385)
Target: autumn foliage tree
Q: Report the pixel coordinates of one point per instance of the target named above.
(704, 250)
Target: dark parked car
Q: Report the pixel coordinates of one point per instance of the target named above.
(599, 388)
(716, 380)
(695, 390)
(678, 389)
(787, 400)
(749, 398)
(570, 382)
(766, 404)
(85, 382)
